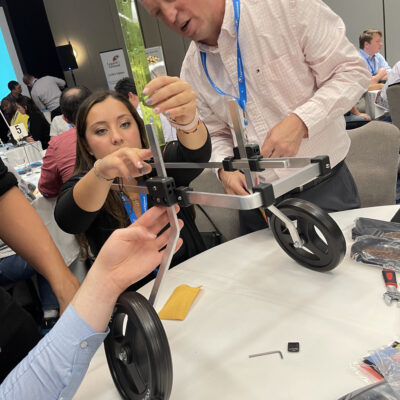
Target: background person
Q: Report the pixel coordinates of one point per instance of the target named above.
(59, 160)
(46, 92)
(15, 90)
(370, 46)
(9, 107)
(38, 126)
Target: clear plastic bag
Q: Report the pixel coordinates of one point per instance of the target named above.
(380, 367)
(387, 361)
(377, 250)
(375, 227)
(377, 391)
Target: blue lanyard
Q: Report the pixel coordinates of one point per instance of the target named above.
(373, 68)
(129, 209)
(242, 99)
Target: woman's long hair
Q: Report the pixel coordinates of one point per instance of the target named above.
(85, 160)
(28, 104)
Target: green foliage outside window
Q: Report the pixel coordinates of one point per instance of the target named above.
(137, 59)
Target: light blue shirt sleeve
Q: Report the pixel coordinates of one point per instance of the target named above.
(381, 62)
(55, 367)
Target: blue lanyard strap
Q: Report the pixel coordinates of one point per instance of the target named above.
(129, 209)
(373, 67)
(242, 99)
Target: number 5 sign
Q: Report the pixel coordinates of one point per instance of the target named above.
(18, 131)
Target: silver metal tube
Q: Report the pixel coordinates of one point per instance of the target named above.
(297, 178)
(232, 201)
(297, 242)
(239, 133)
(173, 219)
(155, 149)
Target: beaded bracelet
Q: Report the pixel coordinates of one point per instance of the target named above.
(192, 131)
(98, 175)
(189, 128)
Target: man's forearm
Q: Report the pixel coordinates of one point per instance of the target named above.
(24, 231)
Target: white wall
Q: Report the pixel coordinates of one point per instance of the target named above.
(359, 15)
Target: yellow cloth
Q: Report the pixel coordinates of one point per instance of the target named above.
(179, 303)
(19, 118)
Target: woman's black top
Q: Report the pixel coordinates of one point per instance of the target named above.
(99, 225)
(39, 129)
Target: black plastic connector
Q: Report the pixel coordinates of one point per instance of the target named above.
(324, 164)
(227, 164)
(251, 151)
(182, 195)
(254, 163)
(267, 193)
(162, 191)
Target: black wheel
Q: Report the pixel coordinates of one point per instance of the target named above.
(324, 243)
(137, 350)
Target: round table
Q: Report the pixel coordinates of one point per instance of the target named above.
(255, 299)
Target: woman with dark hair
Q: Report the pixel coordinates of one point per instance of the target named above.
(38, 126)
(111, 147)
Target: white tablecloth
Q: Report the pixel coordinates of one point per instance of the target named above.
(254, 298)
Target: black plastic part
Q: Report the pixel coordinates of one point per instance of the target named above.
(324, 243)
(267, 193)
(182, 197)
(162, 191)
(227, 164)
(324, 164)
(251, 151)
(293, 347)
(254, 163)
(137, 350)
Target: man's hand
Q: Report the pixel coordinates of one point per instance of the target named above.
(233, 182)
(366, 116)
(284, 139)
(381, 75)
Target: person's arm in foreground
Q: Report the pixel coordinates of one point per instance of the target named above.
(56, 366)
(23, 230)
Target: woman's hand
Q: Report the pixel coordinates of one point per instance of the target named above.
(126, 162)
(30, 139)
(172, 97)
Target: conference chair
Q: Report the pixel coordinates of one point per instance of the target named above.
(393, 96)
(373, 161)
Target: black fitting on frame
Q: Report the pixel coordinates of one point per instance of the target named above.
(162, 191)
(324, 164)
(254, 163)
(227, 164)
(182, 195)
(267, 193)
(251, 151)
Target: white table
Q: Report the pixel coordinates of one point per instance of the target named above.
(372, 109)
(256, 299)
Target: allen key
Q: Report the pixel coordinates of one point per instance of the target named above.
(266, 353)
